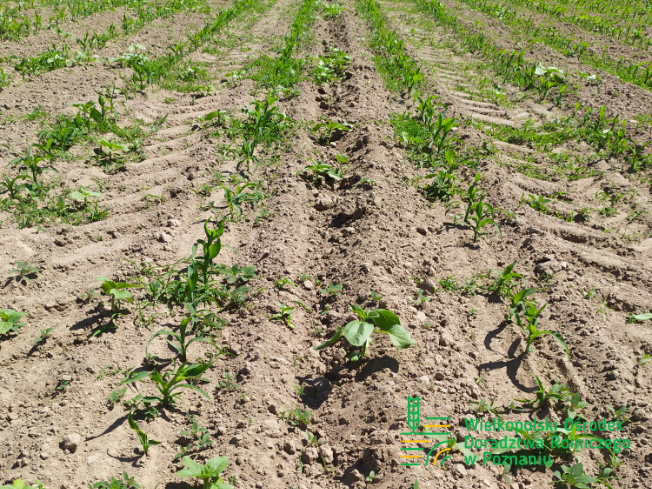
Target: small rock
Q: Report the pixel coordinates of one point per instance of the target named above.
(440, 376)
(422, 231)
(323, 203)
(425, 379)
(164, 238)
(460, 469)
(421, 316)
(428, 286)
(289, 447)
(93, 458)
(309, 455)
(71, 442)
(173, 223)
(326, 454)
(308, 285)
(271, 428)
(446, 339)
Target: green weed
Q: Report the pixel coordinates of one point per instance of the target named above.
(358, 333)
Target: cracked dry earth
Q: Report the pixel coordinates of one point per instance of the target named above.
(384, 238)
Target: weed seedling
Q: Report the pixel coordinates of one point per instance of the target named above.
(645, 359)
(200, 438)
(209, 473)
(125, 483)
(358, 332)
(296, 417)
(482, 406)
(45, 334)
(285, 314)
(117, 291)
(312, 440)
(573, 476)
(332, 290)
(639, 318)
(282, 282)
(24, 272)
(10, 321)
(117, 395)
(619, 413)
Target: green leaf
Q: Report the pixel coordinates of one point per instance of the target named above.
(216, 465)
(357, 332)
(561, 341)
(400, 337)
(122, 294)
(384, 319)
(336, 337)
(194, 469)
(643, 317)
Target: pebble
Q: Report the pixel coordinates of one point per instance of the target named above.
(71, 442)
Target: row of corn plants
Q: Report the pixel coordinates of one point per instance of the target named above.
(607, 134)
(15, 25)
(638, 73)
(55, 58)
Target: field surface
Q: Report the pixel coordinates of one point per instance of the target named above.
(210, 208)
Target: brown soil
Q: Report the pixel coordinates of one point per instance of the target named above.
(377, 238)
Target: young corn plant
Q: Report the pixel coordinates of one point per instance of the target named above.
(142, 436)
(478, 218)
(168, 383)
(358, 332)
(187, 327)
(530, 327)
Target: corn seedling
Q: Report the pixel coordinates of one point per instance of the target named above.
(187, 326)
(12, 187)
(46, 333)
(285, 314)
(504, 282)
(358, 332)
(142, 436)
(10, 321)
(538, 204)
(331, 10)
(168, 383)
(531, 315)
(478, 218)
(235, 198)
(29, 164)
(209, 473)
(24, 272)
(117, 291)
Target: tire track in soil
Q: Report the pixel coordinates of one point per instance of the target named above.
(76, 252)
(360, 416)
(580, 246)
